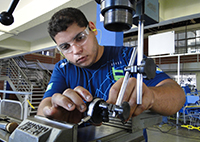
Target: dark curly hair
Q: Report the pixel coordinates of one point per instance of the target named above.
(62, 19)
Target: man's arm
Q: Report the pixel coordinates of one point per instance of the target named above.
(166, 98)
(169, 97)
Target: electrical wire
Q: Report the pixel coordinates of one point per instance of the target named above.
(100, 36)
(164, 124)
(30, 104)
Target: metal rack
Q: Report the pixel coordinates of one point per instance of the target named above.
(25, 102)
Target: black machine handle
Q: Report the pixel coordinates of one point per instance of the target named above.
(6, 18)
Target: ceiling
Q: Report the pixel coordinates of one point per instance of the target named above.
(28, 33)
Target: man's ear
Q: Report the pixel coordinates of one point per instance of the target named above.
(92, 27)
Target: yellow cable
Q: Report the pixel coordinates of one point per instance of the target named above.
(30, 104)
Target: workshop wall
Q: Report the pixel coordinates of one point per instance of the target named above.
(174, 8)
(1, 85)
(43, 58)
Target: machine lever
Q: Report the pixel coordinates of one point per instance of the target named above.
(147, 68)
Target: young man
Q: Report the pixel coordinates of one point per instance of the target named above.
(91, 70)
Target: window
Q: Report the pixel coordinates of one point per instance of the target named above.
(187, 41)
(131, 43)
(50, 52)
(197, 33)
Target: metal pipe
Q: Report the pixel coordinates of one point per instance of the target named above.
(126, 77)
(139, 60)
(178, 74)
(13, 6)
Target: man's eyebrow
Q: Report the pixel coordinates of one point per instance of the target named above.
(77, 35)
(72, 40)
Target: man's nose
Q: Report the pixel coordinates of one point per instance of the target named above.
(77, 49)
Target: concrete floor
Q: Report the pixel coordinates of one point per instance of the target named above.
(167, 133)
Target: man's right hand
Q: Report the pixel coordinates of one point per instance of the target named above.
(68, 106)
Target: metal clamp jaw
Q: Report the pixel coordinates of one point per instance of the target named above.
(99, 111)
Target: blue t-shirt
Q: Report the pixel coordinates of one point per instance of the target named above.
(99, 77)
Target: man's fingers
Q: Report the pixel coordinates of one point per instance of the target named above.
(75, 99)
(54, 112)
(84, 93)
(114, 91)
(70, 100)
(147, 101)
(47, 111)
(59, 113)
(62, 101)
(130, 89)
(68, 106)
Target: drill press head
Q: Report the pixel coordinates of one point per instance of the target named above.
(118, 14)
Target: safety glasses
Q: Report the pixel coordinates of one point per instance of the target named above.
(79, 40)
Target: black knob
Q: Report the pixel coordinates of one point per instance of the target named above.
(6, 18)
(105, 115)
(148, 68)
(124, 114)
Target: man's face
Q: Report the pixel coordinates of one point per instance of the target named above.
(78, 45)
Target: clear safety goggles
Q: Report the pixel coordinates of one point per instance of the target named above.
(79, 40)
